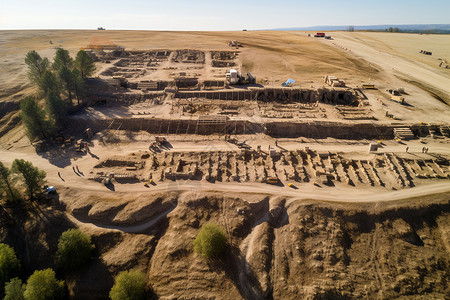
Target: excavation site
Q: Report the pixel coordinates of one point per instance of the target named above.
(323, 162)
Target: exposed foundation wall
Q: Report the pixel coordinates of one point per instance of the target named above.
(219, 95)
(164, 126)
(334, 130)
(275, 129)
(325, 95)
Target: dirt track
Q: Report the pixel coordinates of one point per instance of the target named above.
(65, 166)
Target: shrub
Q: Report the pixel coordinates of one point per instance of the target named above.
(74, 249)
(210, 241)
(129, 285)
(14, 290)
(43, 285)
(9, 265)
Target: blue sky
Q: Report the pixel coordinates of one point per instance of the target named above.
(216, 15)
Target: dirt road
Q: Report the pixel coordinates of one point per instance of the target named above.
(69, 178)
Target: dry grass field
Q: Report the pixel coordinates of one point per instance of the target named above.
(273, 56)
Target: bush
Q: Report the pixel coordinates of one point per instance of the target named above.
(9, 265)
(74, 249)
(14, 290)
(129, 285)
(43, 285)
(210, 241)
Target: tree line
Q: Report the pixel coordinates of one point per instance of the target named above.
(59, 83)
(74, 250)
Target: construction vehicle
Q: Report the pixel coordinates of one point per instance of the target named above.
(235, 78)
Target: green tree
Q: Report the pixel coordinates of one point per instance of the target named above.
(32, 177)
(62, 59)
(7, 184)
(36, 66)
(56, 108)
(68, 81)
(79, 85)
(74, 249)
(210, 241)
(49, 83)
(9, 265)
(34, 119)
(43, 285)
(129, 285)
(14, 290)
(84, 64)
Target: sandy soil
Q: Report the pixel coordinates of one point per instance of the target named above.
(398, 55)
(64, 164)
(272, 56)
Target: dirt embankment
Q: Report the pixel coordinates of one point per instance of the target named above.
(278, 248)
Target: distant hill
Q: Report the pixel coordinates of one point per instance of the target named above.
(435, 28)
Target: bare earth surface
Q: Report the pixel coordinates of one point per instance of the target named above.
(379, 230)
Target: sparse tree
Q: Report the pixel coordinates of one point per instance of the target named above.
(68, 80)
(62, 59)
(56, 108)
(129, 285)
(43, 285)
(84, 64)
(36, 66)
(79, 85)
(14, 290)
(74, 249)
(7, 184)
(9, 265)
(210, 241)
(34, 119)
(32, 177)
(49, 83)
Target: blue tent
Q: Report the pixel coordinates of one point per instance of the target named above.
(288, 82)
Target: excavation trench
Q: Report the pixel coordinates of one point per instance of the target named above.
(274, 129)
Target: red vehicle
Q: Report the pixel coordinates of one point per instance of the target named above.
(319, 34)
